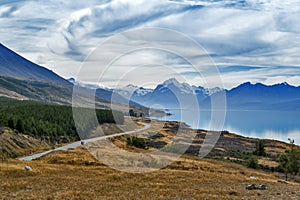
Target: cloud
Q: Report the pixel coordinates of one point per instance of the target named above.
(7, 11)
(249, 40)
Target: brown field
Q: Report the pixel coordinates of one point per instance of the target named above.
(75, 174)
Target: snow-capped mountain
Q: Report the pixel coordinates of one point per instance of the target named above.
(169, 94)
(247, 96)
(130, 89)
(211, 91)
(184, 88)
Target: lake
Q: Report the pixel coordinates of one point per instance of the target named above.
(279, 125)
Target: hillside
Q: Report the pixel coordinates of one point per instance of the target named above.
(35, 90)
(50, 122)
(24, 80)
(16, 144)
(75, 174)
(64, 174)
(15, 66)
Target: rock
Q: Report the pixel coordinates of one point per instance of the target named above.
(27, 168)
(261, 187)
(251, 187)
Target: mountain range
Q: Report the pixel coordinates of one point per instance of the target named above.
(169, 94)
(23, 79)
(247, 96)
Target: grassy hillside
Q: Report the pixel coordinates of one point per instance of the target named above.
(229, 148)
(36, 90)
(16, 144)
(49, 92)
(75, 174)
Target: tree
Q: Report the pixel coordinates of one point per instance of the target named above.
(260, 148)
(10, 123)
(290, 160)
(294, 161)
(131, 113)
(20, 126)
(284, 163)
(294, 158)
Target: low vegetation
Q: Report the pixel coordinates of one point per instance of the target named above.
(136, 142)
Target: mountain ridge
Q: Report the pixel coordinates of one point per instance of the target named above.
(244, 96)
(24, 80)
(15, 66)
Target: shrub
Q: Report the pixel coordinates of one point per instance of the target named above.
(136, 142)
(252, 163)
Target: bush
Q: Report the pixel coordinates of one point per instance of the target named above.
(136, 142)
(252, 163)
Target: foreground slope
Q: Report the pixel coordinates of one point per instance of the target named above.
(76, 174)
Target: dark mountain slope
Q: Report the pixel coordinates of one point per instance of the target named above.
(15, 66)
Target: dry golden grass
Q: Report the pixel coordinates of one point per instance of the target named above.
(268, 162)
(75, 174)
(13, 144)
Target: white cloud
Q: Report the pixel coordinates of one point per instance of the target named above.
(59, 34)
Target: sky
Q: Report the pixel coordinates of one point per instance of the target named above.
(248, 40)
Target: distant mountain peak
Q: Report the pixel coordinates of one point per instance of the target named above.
(285, 84)
(248, 83)
(171, 81)
(130, 86)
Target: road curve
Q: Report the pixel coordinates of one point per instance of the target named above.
(79, 143)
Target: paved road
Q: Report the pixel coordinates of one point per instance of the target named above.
(77, 144)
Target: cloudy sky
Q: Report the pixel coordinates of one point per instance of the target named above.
(248, 40)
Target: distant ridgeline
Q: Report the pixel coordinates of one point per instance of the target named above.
(47, 120)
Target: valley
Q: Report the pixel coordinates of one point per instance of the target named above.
(36, 116)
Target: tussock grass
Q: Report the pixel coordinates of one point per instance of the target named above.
(188, 178)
